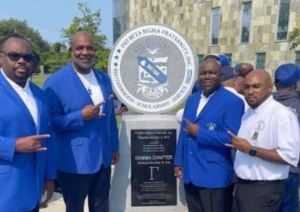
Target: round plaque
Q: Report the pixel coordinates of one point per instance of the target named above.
(152, 68)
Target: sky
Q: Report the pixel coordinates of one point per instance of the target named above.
(50, 16)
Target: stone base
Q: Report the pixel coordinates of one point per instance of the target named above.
(120, 197)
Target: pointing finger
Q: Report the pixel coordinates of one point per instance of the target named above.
(187, 121)
(40, 136)
(101, 115)
(41, 149)
(229, 145)
(231, 134)
(99, 104)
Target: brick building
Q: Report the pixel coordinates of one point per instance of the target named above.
(249, 31)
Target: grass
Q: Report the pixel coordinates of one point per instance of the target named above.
(39, 79)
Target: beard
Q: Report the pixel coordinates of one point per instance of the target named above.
(83, 66)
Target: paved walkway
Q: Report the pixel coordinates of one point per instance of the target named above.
(56, 204)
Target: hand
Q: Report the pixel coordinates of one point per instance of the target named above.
(191, 128)
(92, 111)
(178, 171)
(115, 157)
(31, 143)
(239, 143)
(121, 110)
(48, 189)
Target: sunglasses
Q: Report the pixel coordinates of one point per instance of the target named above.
(14, 56)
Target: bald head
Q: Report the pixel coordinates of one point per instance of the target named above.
(245, 69)
(263, 75)
(258, 87)
(82, 52)
(82, 34)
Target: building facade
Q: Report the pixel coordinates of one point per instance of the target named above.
(249, 31)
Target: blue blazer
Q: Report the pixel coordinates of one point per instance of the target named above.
(82, 146)
(205, 159)
(22, 175)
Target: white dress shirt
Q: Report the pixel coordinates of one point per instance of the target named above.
(91, 84)
(270, 126)
(27, 97)
(203, 101)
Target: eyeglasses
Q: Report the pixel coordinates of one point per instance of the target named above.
(14, 56)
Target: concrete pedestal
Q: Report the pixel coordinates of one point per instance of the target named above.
(120, 197)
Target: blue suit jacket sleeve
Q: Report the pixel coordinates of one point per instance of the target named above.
(114, 131)
(179, 155)
(232, 122)
(60, 120)
(7, 148)
(51, 162)
(178, 161)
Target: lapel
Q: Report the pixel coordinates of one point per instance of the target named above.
(193, 107)
(211, 104)
(12, 93)
(38, 105)
(80, 89)
(101, 83)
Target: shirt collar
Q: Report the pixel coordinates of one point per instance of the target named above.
(261, 108)
(15, 85)
(207, 98)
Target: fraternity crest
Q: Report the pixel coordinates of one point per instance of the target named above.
(152, 69)
(152, 76)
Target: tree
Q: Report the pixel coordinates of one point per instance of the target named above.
(90, 22)
(17, 27)
(56, 57)
(294, 38)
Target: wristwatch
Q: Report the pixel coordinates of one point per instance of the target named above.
(253, 151)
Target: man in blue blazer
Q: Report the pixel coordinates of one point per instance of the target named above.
(27, 163)
(83, 117)
(202, 157)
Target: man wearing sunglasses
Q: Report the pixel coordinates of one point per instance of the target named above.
(26, 151)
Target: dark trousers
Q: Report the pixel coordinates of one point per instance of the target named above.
(256, 196)
(207, 199)
(290, 200)
(76, 187)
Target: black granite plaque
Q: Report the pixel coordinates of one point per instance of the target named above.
(152, 178)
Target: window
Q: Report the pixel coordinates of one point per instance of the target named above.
(215, 25)
(144, 4)
(246, 21)
(297, 60)
(200, 58)
(179, 3)
(116, 29)
(260, 60)
(283, 19)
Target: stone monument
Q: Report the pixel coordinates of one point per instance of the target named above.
(152, 69)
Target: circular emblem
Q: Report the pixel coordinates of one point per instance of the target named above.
(152, 68)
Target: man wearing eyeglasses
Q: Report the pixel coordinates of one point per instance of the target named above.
(83, 114)
(26, 151)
